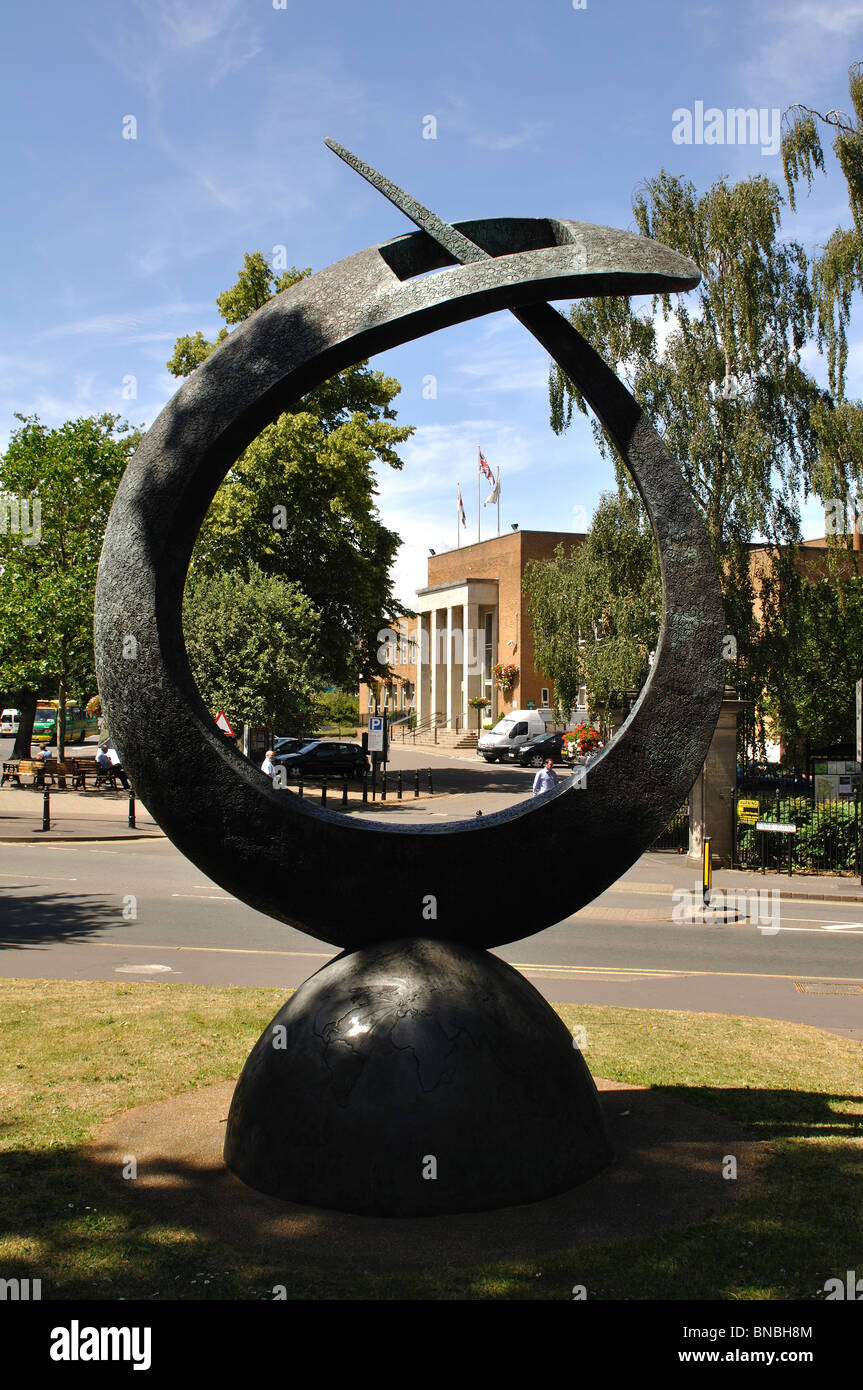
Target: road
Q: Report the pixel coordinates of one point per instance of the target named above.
(139, 910)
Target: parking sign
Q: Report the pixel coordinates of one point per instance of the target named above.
(376, 733)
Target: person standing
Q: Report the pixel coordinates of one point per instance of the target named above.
(545, 779)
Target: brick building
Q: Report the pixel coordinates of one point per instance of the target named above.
(471, 617)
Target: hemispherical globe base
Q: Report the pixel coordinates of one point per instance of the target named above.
(415, 1077)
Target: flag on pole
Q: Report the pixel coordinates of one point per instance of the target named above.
(461, 506)
(494, 495)
(484, 468)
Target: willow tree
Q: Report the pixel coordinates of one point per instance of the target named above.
(836, 272)
(752, 430)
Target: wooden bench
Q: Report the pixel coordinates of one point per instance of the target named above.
(84, 768)
(40, 769)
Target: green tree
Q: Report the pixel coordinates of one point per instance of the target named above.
(811, 652)
(252, 646)
(299, 503)
(750, 428)
(596, 611)
(67, 477)
(838, 271)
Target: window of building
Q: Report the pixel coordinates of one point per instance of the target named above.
(488, 656)
(544, 697)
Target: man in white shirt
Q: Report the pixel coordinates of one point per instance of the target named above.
(268, 766)
(109, 761)
(545, 779)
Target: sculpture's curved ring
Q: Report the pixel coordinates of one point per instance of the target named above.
(345, 881)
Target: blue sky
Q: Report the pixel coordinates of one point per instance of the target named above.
(114, 247)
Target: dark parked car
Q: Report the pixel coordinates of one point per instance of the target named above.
(534, 754)
(288, 745)
(324, 758)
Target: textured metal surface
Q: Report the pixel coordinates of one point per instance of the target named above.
(354, 882)
(414, 1078)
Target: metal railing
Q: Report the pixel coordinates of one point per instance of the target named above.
(432, 725)
(675, 837)
(826, 838)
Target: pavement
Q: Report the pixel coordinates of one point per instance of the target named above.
(73, 815)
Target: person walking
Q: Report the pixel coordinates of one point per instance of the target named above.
(268, 767)
(545, 779)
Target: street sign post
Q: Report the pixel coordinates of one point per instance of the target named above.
(376, 733)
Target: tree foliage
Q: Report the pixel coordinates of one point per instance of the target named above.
(752, 430)
(299, 502)
(48, 586)
(838, 270)
(252, 646)
(595, 612)
(811, 651)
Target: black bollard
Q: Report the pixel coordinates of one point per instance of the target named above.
(399, 786)
(323, 791)
(46, 809)
(131, 809)
(431, 785)
(384, 785)
(345, 790)
(365, 788)
(300, 785)
(416, 784)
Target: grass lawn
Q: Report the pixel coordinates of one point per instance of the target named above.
(76, 1052)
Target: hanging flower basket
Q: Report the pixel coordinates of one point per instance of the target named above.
(478, 702)
(94, 706)
(505, 676)
(581, 741)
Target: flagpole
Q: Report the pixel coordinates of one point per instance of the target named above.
(478, 452)
(498, 501)
(458, 519)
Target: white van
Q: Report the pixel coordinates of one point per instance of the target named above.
(9, 721)
(516, 728)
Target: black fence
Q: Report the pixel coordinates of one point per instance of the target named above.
(826, 837)
(377, 785)
(675, 837)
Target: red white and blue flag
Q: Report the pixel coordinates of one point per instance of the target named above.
(484, 468)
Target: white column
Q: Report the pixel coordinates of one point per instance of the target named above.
(457, 705)
(423, 698)
(473, 649)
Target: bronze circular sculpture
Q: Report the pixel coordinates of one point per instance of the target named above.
(278, 852)
(405, 1036)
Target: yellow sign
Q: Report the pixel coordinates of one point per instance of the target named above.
(747, 811)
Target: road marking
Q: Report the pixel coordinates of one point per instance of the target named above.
(210, 897)
(57, 878)
(217, 950)
(144, 969)
(516, 965)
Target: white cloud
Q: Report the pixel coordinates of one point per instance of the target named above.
(125, 327)
(187, 23)
(803, 47)
(516, 140)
